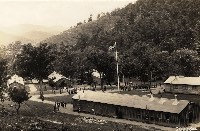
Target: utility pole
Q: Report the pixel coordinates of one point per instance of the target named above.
(116, 55)
(150, 79)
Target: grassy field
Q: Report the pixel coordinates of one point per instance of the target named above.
(40, 117)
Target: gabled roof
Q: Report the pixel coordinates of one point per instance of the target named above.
(140, 102)
(15, 78)
(181, 80)
(56, 76)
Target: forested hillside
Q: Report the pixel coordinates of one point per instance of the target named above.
(155, 39)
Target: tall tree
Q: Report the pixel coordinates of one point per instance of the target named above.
(185, 62)
(98, 16)
(3, 70)
(35, 62)
(103, 63)
(12, 50)
(90, 18)
(3, 74)
(64, 61)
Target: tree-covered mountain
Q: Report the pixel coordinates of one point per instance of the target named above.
(72, 35)
(154, 37)
(160, 23)
(36, 36)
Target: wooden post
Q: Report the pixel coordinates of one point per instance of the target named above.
(116, 55)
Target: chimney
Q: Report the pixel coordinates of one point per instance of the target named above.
(79, 97)
(162, 100)
(175, 100)
(151, 98)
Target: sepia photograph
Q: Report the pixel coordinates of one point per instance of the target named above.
(99, 65)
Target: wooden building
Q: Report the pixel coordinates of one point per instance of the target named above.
(59, 81)
(34, 84)
(161, 111)
(181, 84)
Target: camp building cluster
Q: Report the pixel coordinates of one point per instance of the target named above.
(146, 108)
(54, 79)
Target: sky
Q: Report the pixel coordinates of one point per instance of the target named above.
(53, 12)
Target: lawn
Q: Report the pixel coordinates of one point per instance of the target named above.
(40, 117)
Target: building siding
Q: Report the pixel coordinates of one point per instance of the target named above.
(186, 89)
(130, 113)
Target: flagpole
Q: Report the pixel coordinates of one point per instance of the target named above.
(117, 66)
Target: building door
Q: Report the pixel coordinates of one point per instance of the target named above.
(190, 116)
(118, 112)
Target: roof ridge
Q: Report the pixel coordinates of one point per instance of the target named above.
(136, 101)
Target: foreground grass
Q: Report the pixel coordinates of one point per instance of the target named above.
(40, 117)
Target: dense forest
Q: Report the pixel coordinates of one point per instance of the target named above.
(155, 39)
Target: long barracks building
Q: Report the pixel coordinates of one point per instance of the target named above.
(161, 111)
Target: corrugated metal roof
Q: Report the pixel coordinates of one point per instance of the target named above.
(181, 80)
(15, 78)
(140, 102)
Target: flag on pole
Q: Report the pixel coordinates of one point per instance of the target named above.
(112, 47)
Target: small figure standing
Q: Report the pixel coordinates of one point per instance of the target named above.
(58, 105)
(42, 97)
(65, 104)
(55, 107)
(104, 88)
(151, 92)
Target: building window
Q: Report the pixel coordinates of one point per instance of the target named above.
(175, 86)
(194, 87)
(185, 87)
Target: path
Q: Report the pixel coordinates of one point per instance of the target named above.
(69, 110)
(32, 87)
